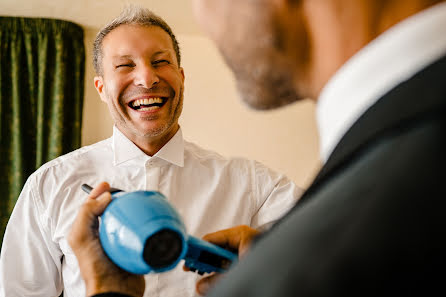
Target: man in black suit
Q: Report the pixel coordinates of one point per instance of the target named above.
(372, 222)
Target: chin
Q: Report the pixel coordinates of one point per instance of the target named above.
(154, 132)
(264, 96)
(158, 130)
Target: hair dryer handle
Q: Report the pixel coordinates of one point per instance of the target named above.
(205, 257)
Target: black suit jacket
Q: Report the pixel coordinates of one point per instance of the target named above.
(374, 221)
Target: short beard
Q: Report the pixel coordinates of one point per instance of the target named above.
(264, 77)
(177, 113)
(266, 87)
(153, 132)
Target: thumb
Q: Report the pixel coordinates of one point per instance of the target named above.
(98, 199)
(205, 284)
(95, 206)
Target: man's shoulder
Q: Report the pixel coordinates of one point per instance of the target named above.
(79, 157)
(236, 166)
(195, 151)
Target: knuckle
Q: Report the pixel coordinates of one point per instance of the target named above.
(244, 228)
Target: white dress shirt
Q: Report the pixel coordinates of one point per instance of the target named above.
(393, 57)
(210, 193)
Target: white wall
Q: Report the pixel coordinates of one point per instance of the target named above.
(213, 116)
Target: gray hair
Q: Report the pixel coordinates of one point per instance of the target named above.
(131, 15)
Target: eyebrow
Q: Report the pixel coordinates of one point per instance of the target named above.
(160, 52)
(169, 52)
(122, 57)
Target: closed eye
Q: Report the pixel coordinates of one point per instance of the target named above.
(160, 62)
(125, 65)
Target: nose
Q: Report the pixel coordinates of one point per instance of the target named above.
(146, 76)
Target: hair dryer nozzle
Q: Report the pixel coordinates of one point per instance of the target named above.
(163, 248)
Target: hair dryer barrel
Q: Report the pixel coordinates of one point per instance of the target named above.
(141, 232)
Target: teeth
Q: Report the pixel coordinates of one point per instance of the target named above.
(146, 101)
(148, 108)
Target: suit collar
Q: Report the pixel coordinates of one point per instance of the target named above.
(389, 60)
(422, 95)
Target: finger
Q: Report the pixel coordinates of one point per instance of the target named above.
(228, 237)
(205, 284)
(97, 201)
(246, 240)
(95, 206)
(237, 238)
(99, 189)
(87, 217)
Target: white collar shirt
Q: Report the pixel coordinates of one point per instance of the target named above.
(392, 58)
(209, 191)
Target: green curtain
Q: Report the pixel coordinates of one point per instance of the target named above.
(41, 95)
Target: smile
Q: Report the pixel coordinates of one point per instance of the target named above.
(147, 104)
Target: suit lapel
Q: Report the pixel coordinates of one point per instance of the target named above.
(423, 95)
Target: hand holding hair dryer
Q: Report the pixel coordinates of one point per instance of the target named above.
(141, 233)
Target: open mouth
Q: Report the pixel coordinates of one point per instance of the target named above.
(147, 104)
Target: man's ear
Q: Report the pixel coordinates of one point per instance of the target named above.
(99, 85)
(182, 73)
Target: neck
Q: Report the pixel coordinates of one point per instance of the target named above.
(338, 31)
(150, 145)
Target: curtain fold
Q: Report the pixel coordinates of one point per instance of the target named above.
(42, 65)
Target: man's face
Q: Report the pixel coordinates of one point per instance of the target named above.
(251, 42)
(141, 83)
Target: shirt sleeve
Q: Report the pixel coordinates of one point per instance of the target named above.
(275, 193)
(30, 262)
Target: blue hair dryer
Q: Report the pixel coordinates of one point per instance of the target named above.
(141, 233)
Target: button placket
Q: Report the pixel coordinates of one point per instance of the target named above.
(152, 184)
(152, 175)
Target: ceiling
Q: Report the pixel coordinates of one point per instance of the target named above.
(94, 14)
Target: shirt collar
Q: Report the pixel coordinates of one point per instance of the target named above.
(390, 59)
(173, 151)
(124, 149)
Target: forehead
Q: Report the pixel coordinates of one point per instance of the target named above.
(136, 40)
